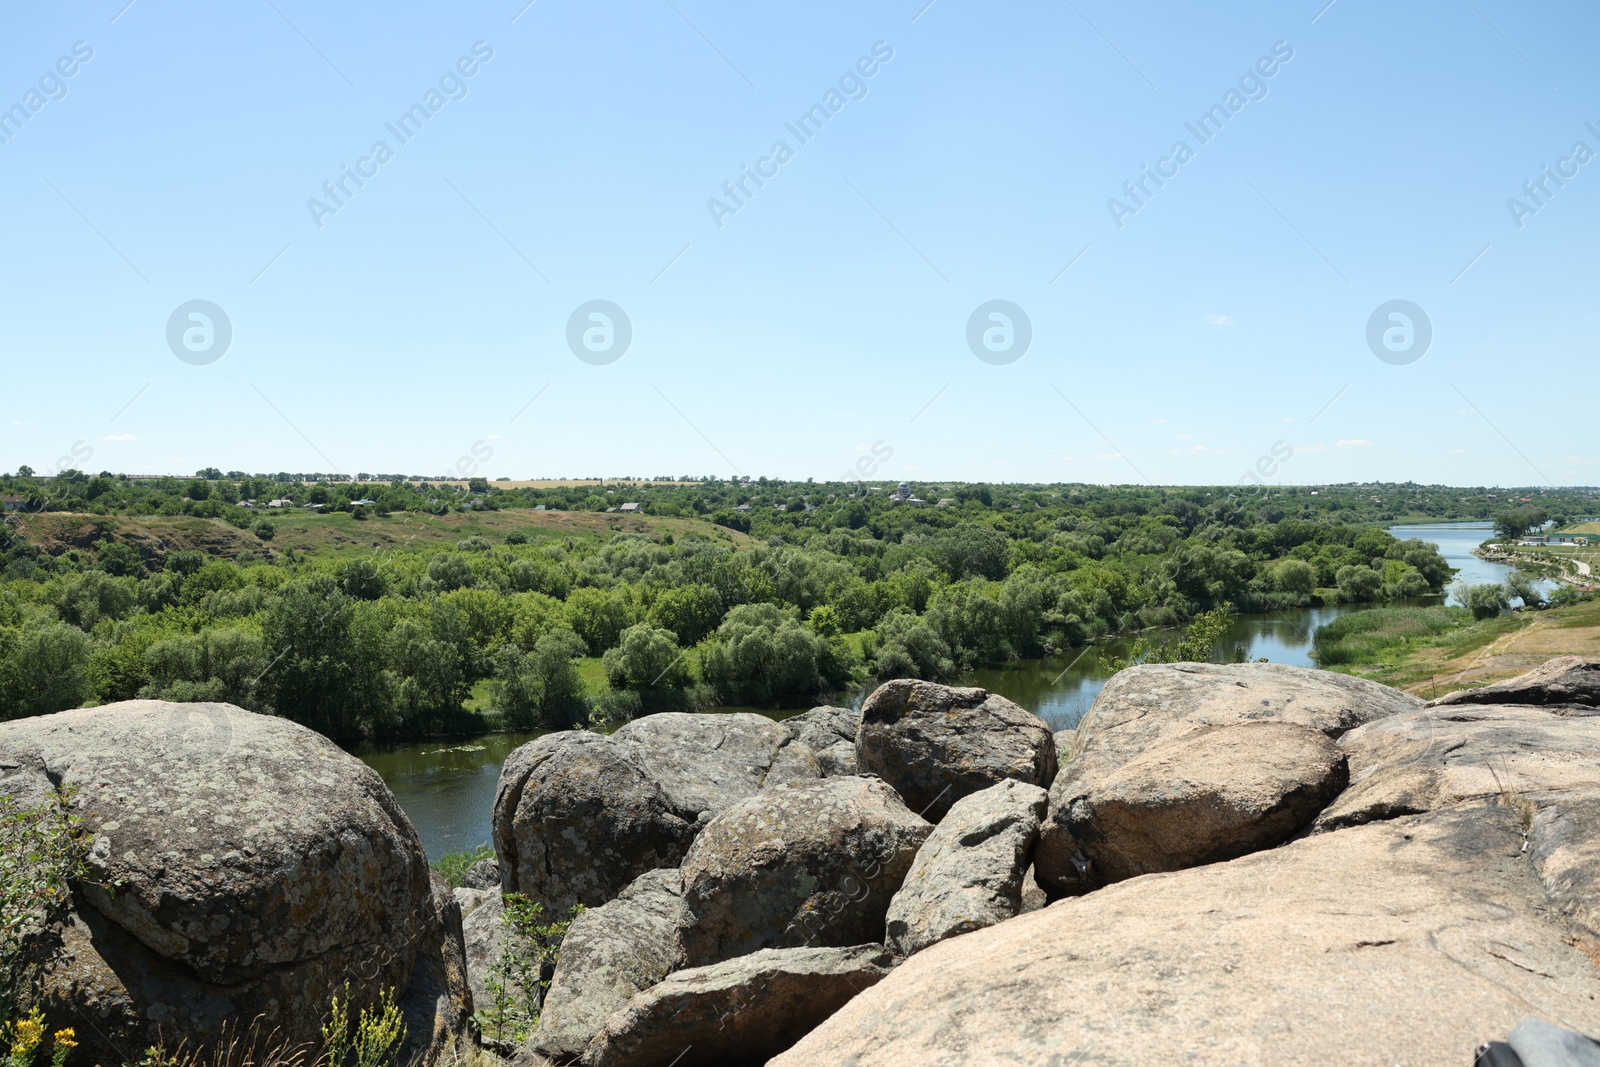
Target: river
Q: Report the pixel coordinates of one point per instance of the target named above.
(447, 787)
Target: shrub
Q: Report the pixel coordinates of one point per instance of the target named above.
(42, 853)
(518, 981)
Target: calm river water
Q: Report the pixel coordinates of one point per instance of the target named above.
(447, 787)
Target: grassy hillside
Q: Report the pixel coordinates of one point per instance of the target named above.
(339, 534)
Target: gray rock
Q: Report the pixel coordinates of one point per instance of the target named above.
(707, 762)
(578, 816)
(1146, 706)
(813, 864)
(256, 868)
(831, 734)
(485, 874)
(1209, 795)
(576, 819)
(936, 744)
(970, 871)
(609, 954)
(1565, 680)
(742, 1011)
(1406, 942)
(484, 936)
(469, 900)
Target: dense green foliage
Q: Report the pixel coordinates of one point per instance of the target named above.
(845, 582)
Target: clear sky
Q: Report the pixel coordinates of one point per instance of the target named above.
(1359, 153)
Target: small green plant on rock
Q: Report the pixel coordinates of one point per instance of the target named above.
(42, 853)
(519, 980)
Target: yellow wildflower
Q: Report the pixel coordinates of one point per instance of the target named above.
(66, 1038)
(26, 1034)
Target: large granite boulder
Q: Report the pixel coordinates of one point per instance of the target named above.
(806, 865)
(578, 816)
(936, 744)
(1408, 941)
(1213, 794)
(741, 1011)
(1452, 889)
(971, 870)
(610, 954)
(1565, 680)
(831, 734)
(239, 865)
(1154, 705)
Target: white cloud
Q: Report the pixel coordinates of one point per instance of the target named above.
(1158, 422)
(1354, 442)
(1219, 320)
(1186, 437)
(1458, 451)
(122, 437)
(1197, 448)
(1288, 418)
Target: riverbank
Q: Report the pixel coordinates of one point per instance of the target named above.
(1470, 655)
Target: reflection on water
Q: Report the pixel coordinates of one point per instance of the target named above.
(447, 787)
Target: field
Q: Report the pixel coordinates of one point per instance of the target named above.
(340, 535)
(1474, 654)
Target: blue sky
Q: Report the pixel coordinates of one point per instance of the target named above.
(1225, 318)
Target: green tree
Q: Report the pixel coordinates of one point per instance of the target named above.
(598, 617)
(761, 654)
(320, 676)
(691, 611)
(43, 669)
(1486, 601)
(449, 571)
(1358, 584)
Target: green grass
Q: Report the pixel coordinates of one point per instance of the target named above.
(453, 866)
(1361, 638)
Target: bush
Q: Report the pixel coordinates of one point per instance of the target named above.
(1486, 601)
(42, 853)
(265, 530)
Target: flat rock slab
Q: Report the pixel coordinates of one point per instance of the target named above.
(1569, 680)
(1151, 704)
(1404, 942)
(1542, 763)
(971, 870)
(609, 954)
(936, 744)
(742, 1011)
(810, 865)
(1210, 795)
